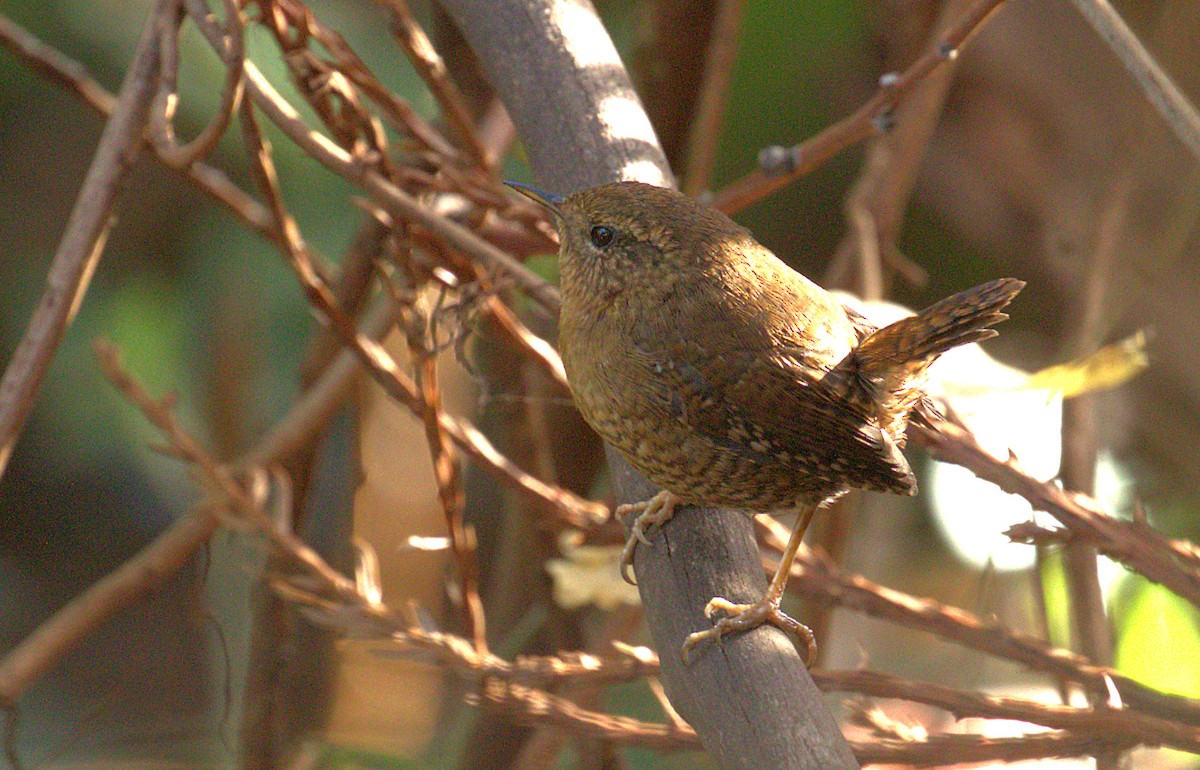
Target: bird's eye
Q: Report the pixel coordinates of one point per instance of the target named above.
(602, 235)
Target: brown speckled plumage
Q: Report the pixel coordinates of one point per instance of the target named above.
(723, 375)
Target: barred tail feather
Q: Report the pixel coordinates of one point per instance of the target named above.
(957, 320)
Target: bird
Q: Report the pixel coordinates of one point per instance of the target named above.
(729, 379)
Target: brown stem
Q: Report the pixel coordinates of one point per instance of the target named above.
(1080, 442)
(388, 374)
(1175, 564)
(705, 133)
(433, 70)
(67, 628)
(817, 577)
(1158, 87)
(83, 239)
(1119, 724)
(166, 100)
(872, 118)
(447, 471)
(73, 76)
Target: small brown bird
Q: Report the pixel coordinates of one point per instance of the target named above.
(729, 379)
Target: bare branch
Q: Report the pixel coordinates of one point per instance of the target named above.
(73, 76)
(433, 70)
(817, 577)
(83, 239)
(166, 101)
(388, 374)
(447, 471)
(1172, 563)
(704, 135)
(783, 166)
(955, 749)
(1171, 103)
(38, 652)
(1120, 724)
(391, 198)
(55, 66)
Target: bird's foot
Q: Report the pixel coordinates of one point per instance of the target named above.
(650, 515)
(747, 617)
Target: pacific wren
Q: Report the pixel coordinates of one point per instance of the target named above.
(729, 379)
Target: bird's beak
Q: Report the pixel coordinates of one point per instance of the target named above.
(549, 201)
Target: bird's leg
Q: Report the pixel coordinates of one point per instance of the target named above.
(746, 617)
(651, 514)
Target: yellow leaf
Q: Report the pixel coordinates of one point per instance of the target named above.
(1158, 643)
(1108, 367)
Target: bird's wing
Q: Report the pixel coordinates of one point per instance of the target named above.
(771, 404)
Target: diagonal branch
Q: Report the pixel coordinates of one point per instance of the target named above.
(1118, 723)
(1172, 563)
(780, 166)
(816, 576)
(384, 369)
(1171, 103)
(447, 470)
(69, 74)
(38, 652)
(83, 239)
(432, 69)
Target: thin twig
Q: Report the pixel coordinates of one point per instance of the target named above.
(447, 471)
(538, 349)
(145, 571)
(1093, 635)
(293, 24)
(73, 77)
(394, 200)
(783, 166)
(389, 197)
(537, 707)
(958, 749)
(166, 101)
(55, 66)
(1158, 87)
(876, 203)
(815, 576)
(1172, 563)
(432, 69)
(83, 239)
(399, 386)
(1118, 723)
(704, 135)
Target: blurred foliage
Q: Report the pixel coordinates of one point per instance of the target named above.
(1159, 638)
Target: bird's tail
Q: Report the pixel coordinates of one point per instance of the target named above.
(890, 356)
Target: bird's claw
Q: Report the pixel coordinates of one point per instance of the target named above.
(746, 617)
(649, 515)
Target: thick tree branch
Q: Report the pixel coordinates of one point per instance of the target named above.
(750, 700)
